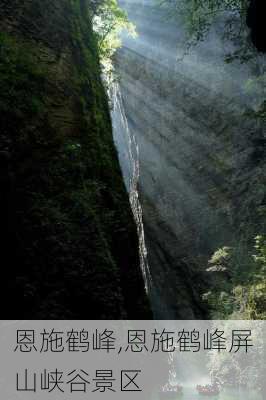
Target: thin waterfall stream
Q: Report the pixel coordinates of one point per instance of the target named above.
(128, 153)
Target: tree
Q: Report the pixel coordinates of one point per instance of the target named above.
(199, 15)
(109, 21)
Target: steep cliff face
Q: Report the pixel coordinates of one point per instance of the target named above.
(201, 152)
(70, 246)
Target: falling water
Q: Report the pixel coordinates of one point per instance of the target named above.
(128, 153)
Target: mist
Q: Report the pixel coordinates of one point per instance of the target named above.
(186, 111)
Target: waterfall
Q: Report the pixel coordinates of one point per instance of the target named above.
(128, 153)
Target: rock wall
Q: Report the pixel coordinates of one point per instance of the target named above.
(201, 151)
(70, 247)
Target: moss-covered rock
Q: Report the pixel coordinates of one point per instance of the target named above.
(70, 247)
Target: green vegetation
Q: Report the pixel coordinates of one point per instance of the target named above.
(239, 283)
(70, 241)
(237, 274)
(108, 22)
(232, 370)
(198, 16)
(20, 76)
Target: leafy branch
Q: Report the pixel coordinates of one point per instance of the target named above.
(109, 21)
(197, 17)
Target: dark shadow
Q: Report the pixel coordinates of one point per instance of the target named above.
(256, 23)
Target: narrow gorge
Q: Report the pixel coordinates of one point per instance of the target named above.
(132, 154)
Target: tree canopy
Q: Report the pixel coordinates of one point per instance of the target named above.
(109, 21)
(199, 15)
